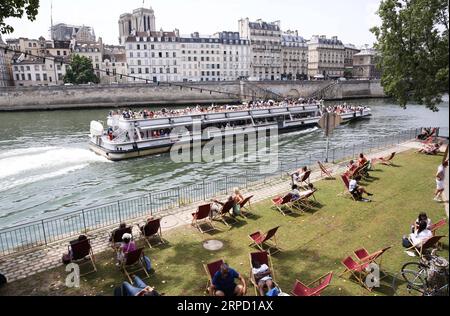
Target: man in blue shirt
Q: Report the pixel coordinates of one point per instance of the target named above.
(223, 283)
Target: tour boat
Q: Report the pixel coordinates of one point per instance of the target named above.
(128, 137)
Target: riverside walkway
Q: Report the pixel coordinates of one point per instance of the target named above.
(27, 264)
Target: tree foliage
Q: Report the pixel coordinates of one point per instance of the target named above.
(413, 42)
(80, 71)
(16, 9)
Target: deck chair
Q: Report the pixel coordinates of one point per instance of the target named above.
(285, 203)
(263, 258)
(325, 171)
(364, 256)
(134, 260)
(346, 192)
(388, 160)
(426, 246)
(116, 236)
(305, 179)
(314, 288)
(358, 270)
(438, 225)
(224, 213)
(304, 201)
(152, 230)
(82, 251)
(246, 205)
(211, 269)
(203, 216)
(270, 240)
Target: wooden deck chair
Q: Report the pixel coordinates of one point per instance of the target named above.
(325, 171)
(346, 192)
(438, 225)
(426, 246)
(269, 239)
(305, 179)
(246, 207)
(364, 256)
(314, 288)
(387, 161)
(203, 216)
(284, 204)
(358, 270)
(152, 230)
(134, 260)
(224, 213)
(82, 254)
(116, 236)
(211, 269)
(262, 257)
(304, 201)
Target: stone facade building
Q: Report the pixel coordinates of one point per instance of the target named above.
(265, 42)
(93, 51)
(141, 20)
(326, 57)
(349, 52)
(365, 65)
(5, 69)
(45, 71)
(294, 49)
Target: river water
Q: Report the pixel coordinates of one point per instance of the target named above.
(46, 168)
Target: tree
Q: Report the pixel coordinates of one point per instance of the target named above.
(80, 71)
(413, 43)
(16, 9)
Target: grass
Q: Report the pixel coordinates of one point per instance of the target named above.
(313, 244)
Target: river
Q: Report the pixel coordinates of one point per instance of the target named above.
(46, 168)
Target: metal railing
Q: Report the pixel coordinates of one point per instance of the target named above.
(53, 229)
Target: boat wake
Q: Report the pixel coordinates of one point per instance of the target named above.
(24, 166)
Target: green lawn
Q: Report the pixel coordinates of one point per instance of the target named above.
(312, 244)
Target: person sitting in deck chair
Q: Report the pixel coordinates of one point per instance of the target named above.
(362, 160)
(422, 217)
(356, 190)
(351, 167)
(223, 283)
(139, 289)
(263, 276)
(422, 234)
(295, 193)
(238, 199)
(297, 176)
(127, 246)
(431, 149)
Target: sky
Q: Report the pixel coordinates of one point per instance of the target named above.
(350, 20)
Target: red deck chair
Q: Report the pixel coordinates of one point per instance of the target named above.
(116, 236)
(305, 178)
(211, 269)
(203, 216)
(325, 171)
(438, 225)
(224, 212)
(346, 192)
(152, 230)
(387, 161)
(246, 205)
(269, 240)
(82, 251)
(304, 201)
(314, 288)
(364, 256)
(285, 203)
(263, 258)
(427, 245)
(358, 270)
(134, 259)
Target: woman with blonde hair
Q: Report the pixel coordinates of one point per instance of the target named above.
(238, 199)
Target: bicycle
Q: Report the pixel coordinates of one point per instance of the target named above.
(427, 275)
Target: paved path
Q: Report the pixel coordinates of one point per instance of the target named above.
(23, 265)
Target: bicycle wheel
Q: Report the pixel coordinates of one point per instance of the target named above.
(415, 275)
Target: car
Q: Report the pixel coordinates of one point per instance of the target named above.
(68, 84)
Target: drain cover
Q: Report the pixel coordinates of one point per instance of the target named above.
(213, 245)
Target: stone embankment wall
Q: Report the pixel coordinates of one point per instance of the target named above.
(63, 97)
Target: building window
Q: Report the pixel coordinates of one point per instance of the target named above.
(44, 76)
(38, 77)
